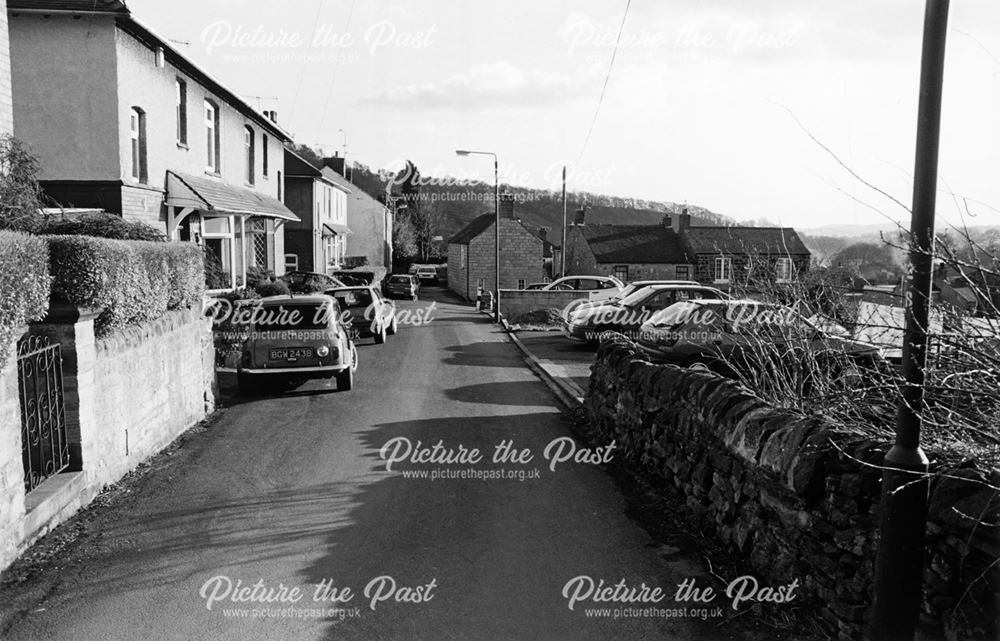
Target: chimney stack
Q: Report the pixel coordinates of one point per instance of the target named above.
(335, 163)
(682, 222)
(580, 217)
(543, 233)
(507, 206)
(668, 221)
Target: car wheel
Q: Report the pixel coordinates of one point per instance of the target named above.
(345, 380)
(380, 336)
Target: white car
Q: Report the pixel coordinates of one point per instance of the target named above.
(591, 287)
(427, 273)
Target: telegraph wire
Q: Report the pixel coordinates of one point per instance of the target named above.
(607, 77)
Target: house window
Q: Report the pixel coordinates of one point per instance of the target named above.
(137, 135)
(279, 185)
(723, 269)
(520, 283)
(291, 262)
(211, 137)
(681, 272)
(248, 148)
(181, 109)
(263, 152)
(621, 273)
(783, 269)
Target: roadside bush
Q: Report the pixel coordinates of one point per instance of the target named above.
(24, 284)
(267, 288)
(20, 195)
(131, 281)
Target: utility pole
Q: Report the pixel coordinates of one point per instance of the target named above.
(562, 248)
(899, 562)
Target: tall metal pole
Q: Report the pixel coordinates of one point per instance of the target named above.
(496, 211)
(562, 249)
(899, 562)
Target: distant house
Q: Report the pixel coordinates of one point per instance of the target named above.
(724, 255)
(471, 254)
(676, 250)
(370, 221)
(317, 242)
(628, 252)
(121, 120)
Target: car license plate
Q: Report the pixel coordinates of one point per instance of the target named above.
(291, 353)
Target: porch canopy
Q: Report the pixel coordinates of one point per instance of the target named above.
(186, 192)
(332, 229)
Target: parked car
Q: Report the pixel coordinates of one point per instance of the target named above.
(365, 312)
(427, 274)
(733, 336)
(588, 322)
(352, 278)
(639, 284)
(309, 282)
(402, 285)
(293, 339)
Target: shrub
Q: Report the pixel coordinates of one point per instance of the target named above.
(24, 284)
(20, 195)
(131, 281)
(101, 225)
(266, 288)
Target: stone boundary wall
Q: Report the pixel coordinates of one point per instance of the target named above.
(515, 302)
(126, 397)
(795, 496)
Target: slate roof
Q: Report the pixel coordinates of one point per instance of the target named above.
(634, 244)
(473, 229)
(744, 240)
(184, 190)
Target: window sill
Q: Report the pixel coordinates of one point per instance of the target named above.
(213, 173)
(183, 145)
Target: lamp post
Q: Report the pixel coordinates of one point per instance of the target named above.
(496, 222)
(899, 560)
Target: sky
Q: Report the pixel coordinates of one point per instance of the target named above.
(755, 110)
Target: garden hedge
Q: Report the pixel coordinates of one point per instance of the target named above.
(24, 284)
(132, 281)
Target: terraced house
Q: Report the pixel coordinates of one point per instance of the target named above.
(122, 121)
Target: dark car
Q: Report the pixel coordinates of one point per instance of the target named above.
(402, 286)
(588, 322)
(293, 339)
(309, 282)
(731, 337)
(365, 312)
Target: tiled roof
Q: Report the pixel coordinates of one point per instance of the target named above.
(184, 190)
(744, 240)
(473, 229)
(82, 6)
(634, 244)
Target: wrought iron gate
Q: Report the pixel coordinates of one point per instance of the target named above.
(43, 416)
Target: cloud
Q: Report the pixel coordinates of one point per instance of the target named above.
(497, 84)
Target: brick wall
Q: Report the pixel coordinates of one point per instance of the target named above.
(798, 498)
(144, 205)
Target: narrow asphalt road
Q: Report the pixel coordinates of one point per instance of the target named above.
(292, 490)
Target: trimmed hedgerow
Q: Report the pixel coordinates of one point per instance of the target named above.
(132, 282)
(24, 284)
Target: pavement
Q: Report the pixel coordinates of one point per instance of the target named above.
(290, 495)
(566, 362)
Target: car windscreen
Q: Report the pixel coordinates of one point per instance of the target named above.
(682, 312)
(637, 296)
(400, 280)
(286, 316)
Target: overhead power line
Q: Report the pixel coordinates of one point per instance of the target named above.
(607, 77)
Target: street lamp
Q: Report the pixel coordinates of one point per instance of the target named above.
(496, 213)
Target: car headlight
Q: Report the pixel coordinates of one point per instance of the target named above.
(322, 351)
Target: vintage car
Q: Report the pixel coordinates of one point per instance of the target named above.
(293, 339)
(365, 312)
(402, 286)
(626, 315)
